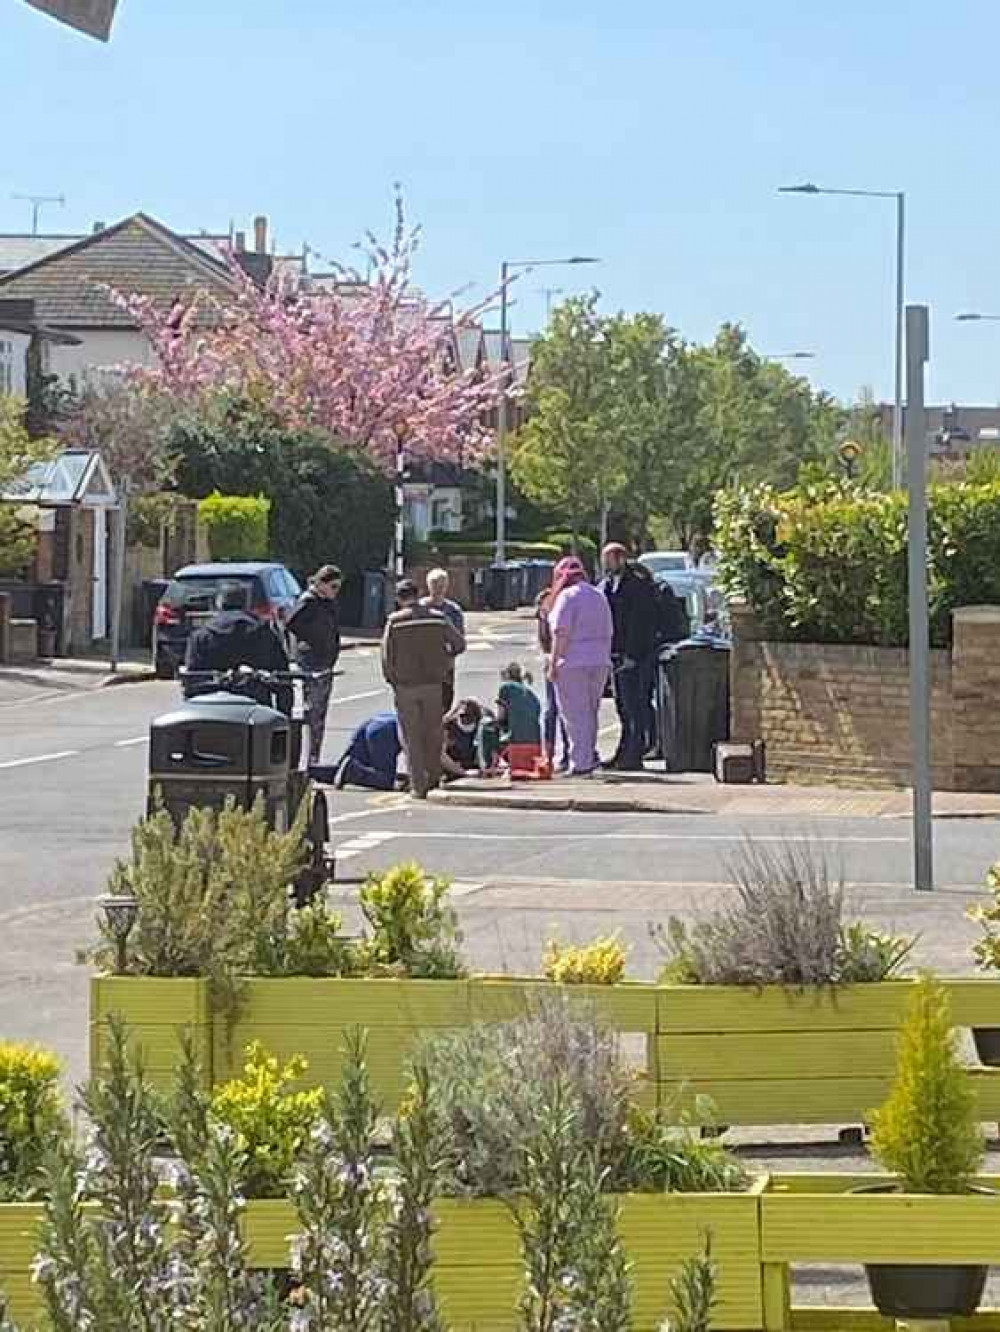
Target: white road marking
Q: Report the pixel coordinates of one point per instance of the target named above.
(740, 838)
(358, 846)
(356, 698)
(354, 815)
(463, 887)
(39, 758)
(136, 740)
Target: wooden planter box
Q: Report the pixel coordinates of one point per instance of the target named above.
(815, 1219)
(20, 1225)
(299, 1015)
(478, 1273)
(813, 1056)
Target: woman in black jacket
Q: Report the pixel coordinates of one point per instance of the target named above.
(315, 622)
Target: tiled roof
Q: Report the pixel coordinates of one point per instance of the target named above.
(19, 251)
(138, 256)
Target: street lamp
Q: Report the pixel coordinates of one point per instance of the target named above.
(900, 198)
(970, 318)
(507, 268)
(791, 356)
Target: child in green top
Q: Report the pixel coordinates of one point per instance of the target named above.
(518, 709)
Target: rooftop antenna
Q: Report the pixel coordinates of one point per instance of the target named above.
(38, 201)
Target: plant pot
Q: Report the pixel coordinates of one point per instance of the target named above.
(987, 1041)
(932, 1292)
(924, 1290)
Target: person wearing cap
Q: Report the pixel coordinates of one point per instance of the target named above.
(418, 651)
(635, 615)
(582, 630)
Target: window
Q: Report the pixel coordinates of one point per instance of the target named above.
(6, 366)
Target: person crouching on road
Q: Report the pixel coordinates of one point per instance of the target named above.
(315, 622)
(461, 755)
(418, 649)
(437, 599)
(370, 759)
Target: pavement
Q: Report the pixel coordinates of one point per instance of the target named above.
(656, 792)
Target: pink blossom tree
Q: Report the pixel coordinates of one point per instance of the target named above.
(368, 361)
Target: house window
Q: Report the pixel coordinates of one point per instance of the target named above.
(6, 366)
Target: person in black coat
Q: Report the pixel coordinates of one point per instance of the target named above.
(315, 622)
(233, 638)
(632, 599)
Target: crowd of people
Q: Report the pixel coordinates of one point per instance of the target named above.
(589, 635)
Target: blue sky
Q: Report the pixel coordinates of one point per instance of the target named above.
(646, 132)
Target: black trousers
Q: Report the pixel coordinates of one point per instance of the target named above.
(632, 702)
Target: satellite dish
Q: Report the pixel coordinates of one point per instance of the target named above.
(94, 17)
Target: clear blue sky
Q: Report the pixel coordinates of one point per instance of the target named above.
(646, 132)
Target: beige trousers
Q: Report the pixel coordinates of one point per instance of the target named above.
(420, 712)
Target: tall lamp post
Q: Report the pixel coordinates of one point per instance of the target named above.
(900, 198)
(507, 269)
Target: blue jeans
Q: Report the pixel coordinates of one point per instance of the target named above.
(553, 723)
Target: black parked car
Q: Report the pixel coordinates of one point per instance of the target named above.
(190, 600)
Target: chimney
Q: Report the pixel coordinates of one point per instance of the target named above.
(241, 242)
(98, 226)
(260, 234)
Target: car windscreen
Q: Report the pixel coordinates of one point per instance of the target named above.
(199, 593)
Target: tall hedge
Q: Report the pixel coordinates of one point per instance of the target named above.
(827, 562)
(236, 525)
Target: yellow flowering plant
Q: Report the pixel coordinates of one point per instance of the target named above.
(987, 950)
(32, 1118)
(600, 962)
(272, 1121)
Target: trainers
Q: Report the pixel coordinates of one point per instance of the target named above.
(343, 775)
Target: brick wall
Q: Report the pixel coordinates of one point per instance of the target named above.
(841, 714)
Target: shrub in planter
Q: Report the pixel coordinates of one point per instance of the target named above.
(32, 1118)
(782, 925)
(692, 1293)
(494, 1085)
(601, 962)
(414, 932)
(270, 1120)
(928, 1134)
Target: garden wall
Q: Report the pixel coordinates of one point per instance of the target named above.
(840, 714)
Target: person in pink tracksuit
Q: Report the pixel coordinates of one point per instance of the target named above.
(582, 631)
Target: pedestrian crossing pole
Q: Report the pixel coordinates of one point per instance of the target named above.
(917, 354)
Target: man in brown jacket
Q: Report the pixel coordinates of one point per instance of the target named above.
(418, 651)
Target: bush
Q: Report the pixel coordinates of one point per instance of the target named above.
(783, 925)
(928, 1131)
(601, 962)
(414, 931)
(213, 897)
(31, 1117)
(494, 1085)
(271, 1121)
(827, 562)
(236, 525)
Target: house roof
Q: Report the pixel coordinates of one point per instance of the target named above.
(75, 476)
(17, 251)
(138, 255)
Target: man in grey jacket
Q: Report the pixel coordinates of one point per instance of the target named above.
(418, 650)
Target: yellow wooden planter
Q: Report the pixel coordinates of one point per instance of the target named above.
(19, 1232)
(811, 1056)
(478, 1273)
(816, 1219)
(157, 1013)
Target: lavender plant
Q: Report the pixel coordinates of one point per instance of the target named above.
(409, 1304)
(338, 1256)
(576, 1276)
(693, 1293)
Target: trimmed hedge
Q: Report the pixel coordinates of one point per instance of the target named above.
(543, 546)
(236, 525)
(826, 563)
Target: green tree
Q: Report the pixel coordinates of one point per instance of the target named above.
(327, 504)
(18, 451)
(566, 455)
